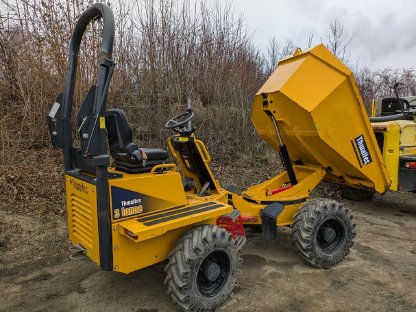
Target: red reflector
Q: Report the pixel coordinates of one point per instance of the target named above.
(249, 219)
(411, 164)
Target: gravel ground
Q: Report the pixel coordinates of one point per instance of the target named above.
(378, 275)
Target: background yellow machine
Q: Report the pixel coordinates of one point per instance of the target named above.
(395, 131)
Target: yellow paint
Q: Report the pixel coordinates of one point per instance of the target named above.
(308, 177)
(102, 122)
(136, 244)
(165, 190)
(154, 242)
(373, 108)
(247, 208)
(319, 111)
(185, 165)
(82, 216)
(255, 198)
(399, 139)
(286, 216)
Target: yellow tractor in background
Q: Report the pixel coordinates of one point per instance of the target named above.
(129, 208)
(395, 131)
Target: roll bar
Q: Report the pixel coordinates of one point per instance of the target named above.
(103, 78)
(92, 157)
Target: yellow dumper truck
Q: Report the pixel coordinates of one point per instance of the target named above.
(129, 207)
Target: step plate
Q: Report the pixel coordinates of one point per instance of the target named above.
(157, 223)
(177, 213)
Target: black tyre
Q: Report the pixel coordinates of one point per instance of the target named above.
(356, 194)
(203, 268)
(323, 232)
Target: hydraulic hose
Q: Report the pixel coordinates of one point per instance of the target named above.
(408, 115)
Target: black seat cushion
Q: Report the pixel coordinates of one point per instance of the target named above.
(152, 154)
(155, 153)
(137, 168)
(123, 149)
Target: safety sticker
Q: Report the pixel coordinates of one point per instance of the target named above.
(102, 122)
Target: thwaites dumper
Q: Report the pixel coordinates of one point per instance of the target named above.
(137, 211)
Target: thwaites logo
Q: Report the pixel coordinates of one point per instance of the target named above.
(128, 208)
(79, 186)
(126, 203)
(361, 149)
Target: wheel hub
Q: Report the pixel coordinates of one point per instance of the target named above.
(211, 270)
(328, 234)
(213, 273)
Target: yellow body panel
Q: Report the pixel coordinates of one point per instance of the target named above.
(255, 198)
(322, 119)
(137, 244)
(286, 216)
(161, 198)
(390, 149)
(184, 164)
(149, 213)
(373, 108)
(157, 191)
(399, 139)
(407, 137)
(248, 209)
(308, 179)
(129, 256)
(81, 206)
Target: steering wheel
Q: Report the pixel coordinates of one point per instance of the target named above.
(406, 104)
(179, 120)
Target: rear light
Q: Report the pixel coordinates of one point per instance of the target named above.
(411, 164)
(131, 234)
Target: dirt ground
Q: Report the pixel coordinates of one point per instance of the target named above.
(379, 274)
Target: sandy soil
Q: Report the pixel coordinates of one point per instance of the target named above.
(379, 274)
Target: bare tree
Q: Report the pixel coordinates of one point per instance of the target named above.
(338, 40)
(310, 41)
(288, 48)
(273, 55)
(163, 49)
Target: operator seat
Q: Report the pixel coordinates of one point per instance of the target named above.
(128, 156)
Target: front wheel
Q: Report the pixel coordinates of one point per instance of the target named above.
(203, 268)
(323, 232)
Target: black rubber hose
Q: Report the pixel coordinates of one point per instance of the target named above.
(409, 114)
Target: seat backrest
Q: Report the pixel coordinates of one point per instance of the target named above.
(119, 131)
(390, 106)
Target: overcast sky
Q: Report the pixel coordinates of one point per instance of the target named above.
(385, 31)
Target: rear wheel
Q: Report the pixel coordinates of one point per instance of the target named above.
(203, 268)
(356, 194)
(323, 232)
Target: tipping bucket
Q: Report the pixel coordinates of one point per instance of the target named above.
(320, 114)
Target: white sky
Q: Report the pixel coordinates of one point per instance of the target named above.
(385, 30)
